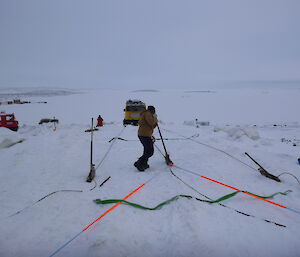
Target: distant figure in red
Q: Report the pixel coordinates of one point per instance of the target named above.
(99, 121)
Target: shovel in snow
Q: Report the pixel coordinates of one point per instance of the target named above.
(167, 157)
(263, 171)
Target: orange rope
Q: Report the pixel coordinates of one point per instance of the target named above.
(282, 206)
(113, 207)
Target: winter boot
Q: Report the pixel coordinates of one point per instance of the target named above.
(146, 165)
(139, 165)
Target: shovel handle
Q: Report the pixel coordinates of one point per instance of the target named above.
(254, 160)
(263, 171)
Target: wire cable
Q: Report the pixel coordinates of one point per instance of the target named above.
(226, 153)
(221, 204)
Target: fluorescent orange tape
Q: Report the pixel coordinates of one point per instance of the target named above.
(113, 207)
(282, 206)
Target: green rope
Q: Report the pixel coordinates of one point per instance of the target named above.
(123, 139)
(223, 198)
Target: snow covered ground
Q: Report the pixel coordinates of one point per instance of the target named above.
(38, 160)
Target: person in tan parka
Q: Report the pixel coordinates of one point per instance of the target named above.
(147, 123)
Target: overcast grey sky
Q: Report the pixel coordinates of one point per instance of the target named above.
(147, 43)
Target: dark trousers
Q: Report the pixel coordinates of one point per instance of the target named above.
(148, 148)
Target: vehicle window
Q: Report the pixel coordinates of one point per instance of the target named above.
(135, 108)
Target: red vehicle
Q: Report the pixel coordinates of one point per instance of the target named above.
(9, 121)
